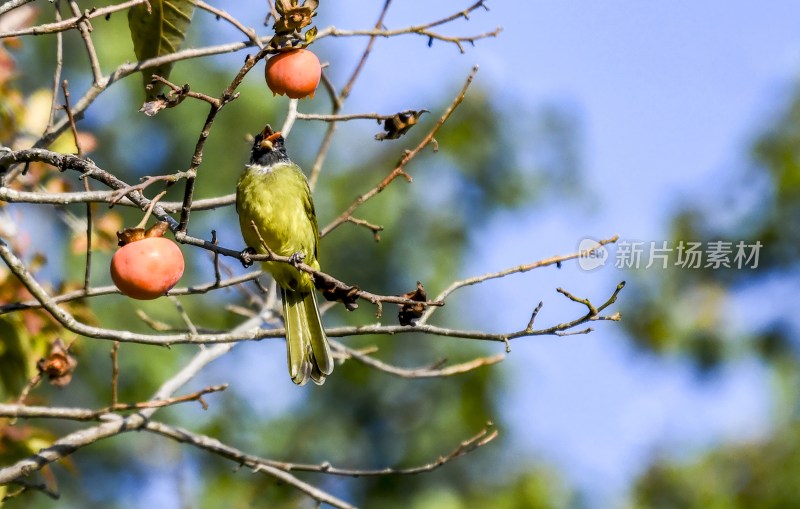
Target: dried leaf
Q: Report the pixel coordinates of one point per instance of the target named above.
(294, 17)
(410, 313)
(58, 365)
(399, 124)
(151, 108)
(159, 29)
(347, 295)
(157, 230)
(129, 235)
(162, 101)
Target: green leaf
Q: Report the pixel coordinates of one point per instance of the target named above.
(158, 31)
(311, 33)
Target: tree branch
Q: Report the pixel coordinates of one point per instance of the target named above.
(400, 168)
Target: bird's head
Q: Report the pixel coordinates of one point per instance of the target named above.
(268, 148)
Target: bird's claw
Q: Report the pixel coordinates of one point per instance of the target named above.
(297, 258)
(246, 256)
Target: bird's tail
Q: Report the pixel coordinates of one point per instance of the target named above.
(307, 348)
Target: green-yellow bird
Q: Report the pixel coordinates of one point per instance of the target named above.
(273, 193)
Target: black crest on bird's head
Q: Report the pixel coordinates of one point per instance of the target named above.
(268, 148)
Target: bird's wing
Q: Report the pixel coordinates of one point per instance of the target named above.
(308, 204)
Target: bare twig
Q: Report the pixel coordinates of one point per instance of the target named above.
(114, 373)
(58, 69)
(219, 13)
(112, 197)
(12, 4)
(67, 24)
(400, 168)
(227, 96)
(339, 100)
(254, 462)
(482, 438)
(85, 27)
(351, 116)
(108, 290)
(68, 444)
(554, 260)
(87, 187)
(426, 372)
(195, 396)
(424, 30)
(322, 279)
(28, 486)
(33, 382)
(291, 116)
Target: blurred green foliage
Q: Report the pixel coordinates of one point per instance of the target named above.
(688, 312)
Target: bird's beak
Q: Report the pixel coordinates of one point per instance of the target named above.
(268, 137)
(267, 132)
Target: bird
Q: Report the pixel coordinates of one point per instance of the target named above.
(273, 194)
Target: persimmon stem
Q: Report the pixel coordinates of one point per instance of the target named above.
(150, 209)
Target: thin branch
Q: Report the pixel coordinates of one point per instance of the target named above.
(272, 11)
(27, 486)
(58, 69)
(458, 41)
(33, 382)
(127, 69)
(374, 228)
(18, 411)
(291, 116)
(254, 462)
(351, 116)
(70, 443)
(426, 372)
(219, 13)
(227, 96)
(195, 396)
(146, 182)
(116, 197)
(108, 290)
(217, 273)
(423, 30)
(114, 373)
(554, 260)
(400, 168)
(12, 4)
(330, 283)
(482, 438)
(186, 91)
(69, 321)
(67, 24)
(87, 187)
(339, 100)
(85, 27)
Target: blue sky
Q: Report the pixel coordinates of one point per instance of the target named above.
(669, 93)
(668, 96)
